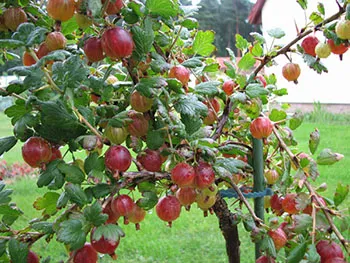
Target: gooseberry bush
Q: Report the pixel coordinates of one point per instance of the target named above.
(134, 85)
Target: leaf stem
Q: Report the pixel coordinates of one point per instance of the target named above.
(47, 74)
(13, 94)
(88, 124)
(176, 38)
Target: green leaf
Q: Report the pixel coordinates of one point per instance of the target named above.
(62, 200)
(313, 170)
(43, 227)
(76, 194)
(50, 175)
(314, 64)
(11, 43)
(208, 88)
(109, 231)
(192, 124)
(148, 200)
(16, 87)
(230, 70)
(164, 8)
(277, 115)
(10, 213)
(18, 251)
(72, 173)
(29, 34)
(327, 157)
(4, 194)
(162, 40)
(190, 23)
(70, 26)
(7, 143)
(280, 92)
(241, 43)
(175, 86)
(57, 124)
(257, 50)
(232, 165)
(143, 39)
(94, 214)
(146, 186)
(22, 70)
(147, 86)
(301, 222)
(320, 8)
(231, 54)
(3, 243)
(302, 3)
(47, 203)
(246, 62)
(233, 149)
(297, 253)
(312, 255)
(255, 90)
(94, 162)
(192, 63)
(314, 140)
(268, 244)
(190, 105)
(202, 44)
(158, 64)
(101, 190)
(276, 33)
(155, 139)
(340, 194)
(213, 67)
(316, 18)
(71, 233)
(69, 73)
(296, 120)
(258, 37)
(37, 36)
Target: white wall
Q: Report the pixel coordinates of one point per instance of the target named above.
(332, 87)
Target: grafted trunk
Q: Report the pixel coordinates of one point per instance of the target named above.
(229, 230)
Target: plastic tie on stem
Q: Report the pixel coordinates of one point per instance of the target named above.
(231, 193)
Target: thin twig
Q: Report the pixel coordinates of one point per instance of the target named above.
(88, 124)
(313, 233)
(223, 119)
(176, 38)
(257, 220)
(104, 7)
(159, 50)
(287, 47)
(47, 74)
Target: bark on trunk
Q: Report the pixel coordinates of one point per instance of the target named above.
(229, 230)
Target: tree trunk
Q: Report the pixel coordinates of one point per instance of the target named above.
(235, 13)
(229, 229)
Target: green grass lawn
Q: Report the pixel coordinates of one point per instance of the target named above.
(192, 238)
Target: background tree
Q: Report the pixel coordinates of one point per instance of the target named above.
(227, 18)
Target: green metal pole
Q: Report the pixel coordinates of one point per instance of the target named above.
(258, 165)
